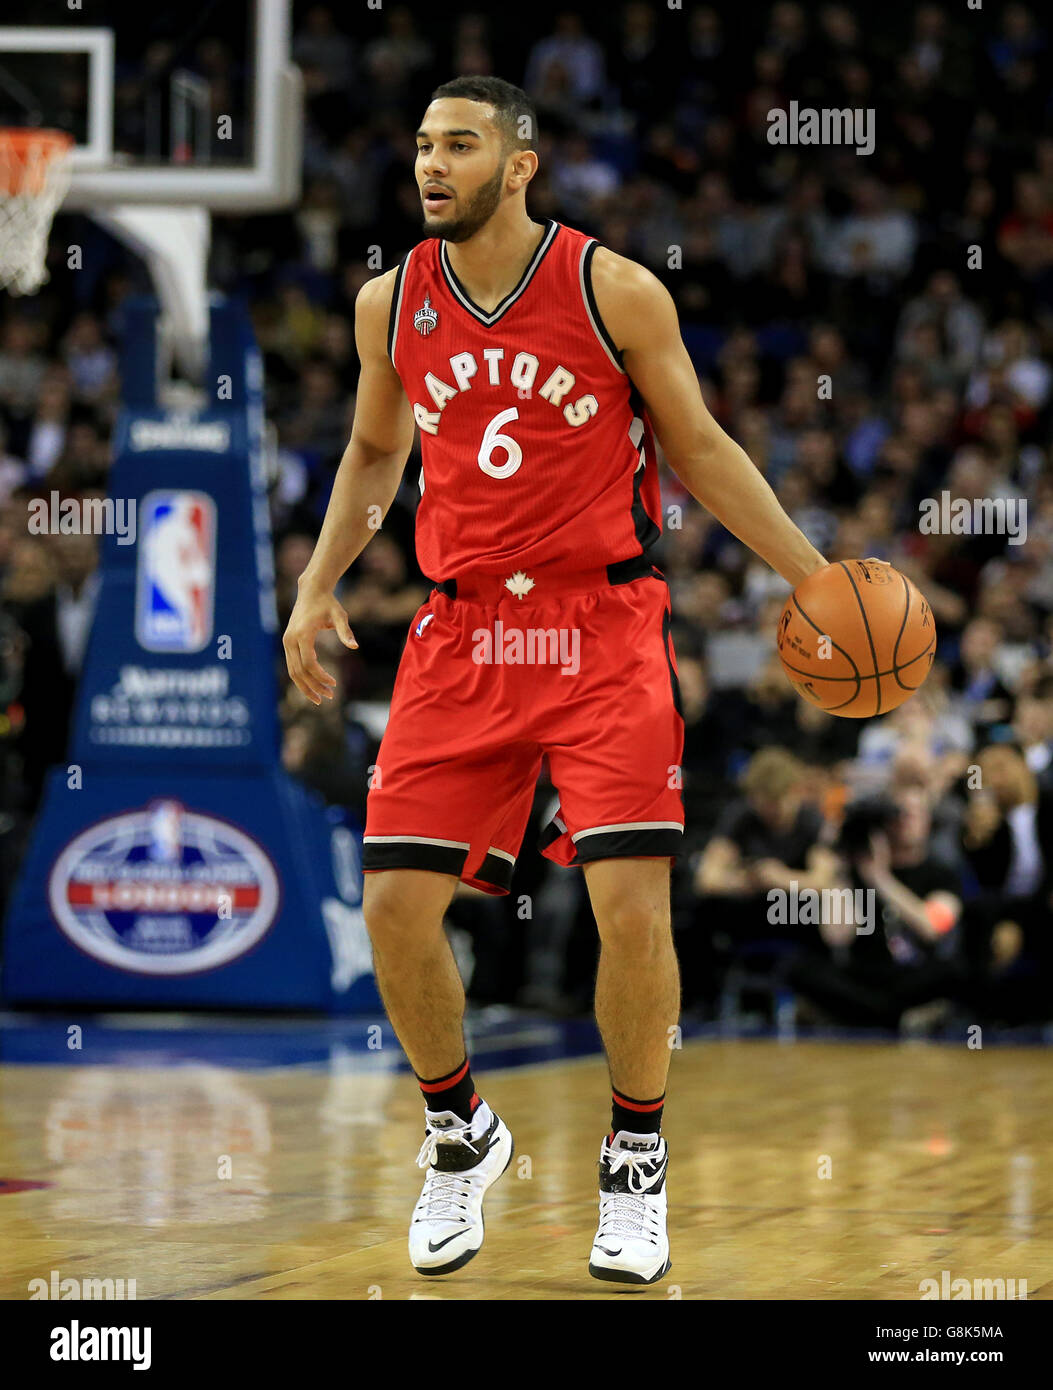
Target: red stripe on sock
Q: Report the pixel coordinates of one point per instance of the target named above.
(434, 1086)
(646, 1109)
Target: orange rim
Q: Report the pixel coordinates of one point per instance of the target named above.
(26, 155)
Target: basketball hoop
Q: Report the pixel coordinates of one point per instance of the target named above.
(34, 178)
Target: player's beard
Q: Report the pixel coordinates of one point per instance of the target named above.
(480, 208)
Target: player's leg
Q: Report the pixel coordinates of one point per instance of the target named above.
(415, 971)
(466, 1146)
(637, 982)
(637, 1007)
(615, 755)
(449, 801)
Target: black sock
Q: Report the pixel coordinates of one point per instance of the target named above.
(636, 1116)
(454, 1091)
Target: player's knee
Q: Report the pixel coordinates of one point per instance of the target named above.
(387, 913)
(632, 928)
(394, 914)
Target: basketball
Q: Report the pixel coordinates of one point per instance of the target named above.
(856, 638)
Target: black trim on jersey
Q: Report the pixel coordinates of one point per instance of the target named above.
(594, 310)
(464, 298)
(674, 679)
(625, 571)
(620, 572)
(645, 527)
(393, 312)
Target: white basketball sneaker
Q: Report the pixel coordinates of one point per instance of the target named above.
(631, 1245)
(462, 1160)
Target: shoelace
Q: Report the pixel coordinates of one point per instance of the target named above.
(635, 1162)
(627, 1214)
(622, 1214)
(444, 1193)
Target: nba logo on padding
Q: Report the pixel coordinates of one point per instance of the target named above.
(175, 583)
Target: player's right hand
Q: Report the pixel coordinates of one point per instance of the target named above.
(315, 610)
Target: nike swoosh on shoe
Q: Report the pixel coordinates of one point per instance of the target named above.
(433, 1247)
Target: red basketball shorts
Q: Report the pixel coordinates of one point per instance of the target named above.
(574, 668)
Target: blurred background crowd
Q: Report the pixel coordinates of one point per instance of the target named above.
(874, 330)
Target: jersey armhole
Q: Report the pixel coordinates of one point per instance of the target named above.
(396, 308)
(591, 308)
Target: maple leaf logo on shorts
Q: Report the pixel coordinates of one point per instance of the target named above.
(519, 585)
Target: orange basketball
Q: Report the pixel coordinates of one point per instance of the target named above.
(856, 638)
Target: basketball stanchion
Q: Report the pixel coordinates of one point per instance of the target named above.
(175, 862)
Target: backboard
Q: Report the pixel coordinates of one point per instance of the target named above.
(175, 102)
(178, 109)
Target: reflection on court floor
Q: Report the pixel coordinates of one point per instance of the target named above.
(275, 1160)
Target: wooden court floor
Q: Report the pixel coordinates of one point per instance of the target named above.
(937, 1158)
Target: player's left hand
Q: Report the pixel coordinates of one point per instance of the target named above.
(314, 611)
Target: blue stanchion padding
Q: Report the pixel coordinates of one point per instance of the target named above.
(174, 861)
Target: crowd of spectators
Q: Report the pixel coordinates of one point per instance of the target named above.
(875, 330)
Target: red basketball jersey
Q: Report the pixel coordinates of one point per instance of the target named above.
(536, 446)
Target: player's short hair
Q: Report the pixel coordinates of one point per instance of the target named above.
(513, 109)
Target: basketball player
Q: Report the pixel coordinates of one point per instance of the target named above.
(534, 362)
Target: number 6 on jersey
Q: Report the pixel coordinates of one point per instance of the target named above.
(492, 439)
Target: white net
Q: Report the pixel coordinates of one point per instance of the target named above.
(34, 178)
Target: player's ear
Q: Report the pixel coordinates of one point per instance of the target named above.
(523, 168)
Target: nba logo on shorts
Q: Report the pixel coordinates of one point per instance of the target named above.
(175, 585)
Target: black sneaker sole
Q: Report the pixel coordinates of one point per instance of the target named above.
(462, 1260)
(625, 1276)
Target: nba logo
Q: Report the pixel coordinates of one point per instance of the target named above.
(175, 584)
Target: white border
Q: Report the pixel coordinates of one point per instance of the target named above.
(273, 179)
(98, 44)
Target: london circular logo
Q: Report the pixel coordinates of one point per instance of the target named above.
(164, 891)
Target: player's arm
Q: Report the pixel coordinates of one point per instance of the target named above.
(364, 489)
(640, 316)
